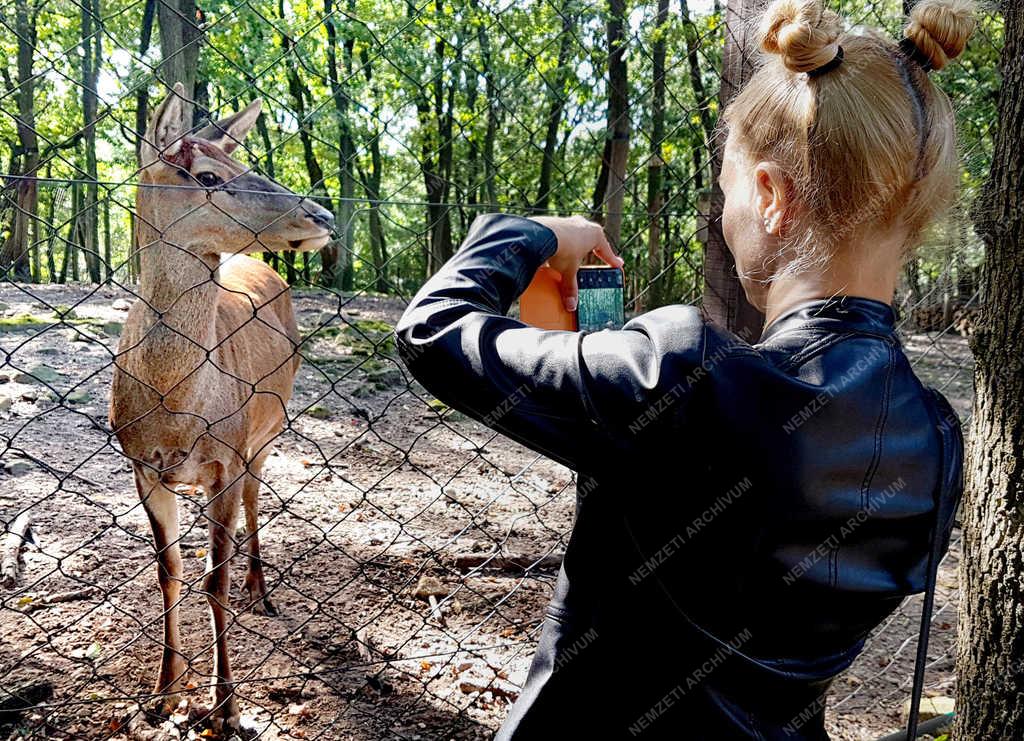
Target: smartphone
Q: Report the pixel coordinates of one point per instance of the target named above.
(601, 304)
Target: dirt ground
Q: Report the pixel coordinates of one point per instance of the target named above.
(374, 487)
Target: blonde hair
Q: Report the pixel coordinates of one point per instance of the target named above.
(866, 139)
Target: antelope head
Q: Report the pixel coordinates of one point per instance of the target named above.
(197, 197)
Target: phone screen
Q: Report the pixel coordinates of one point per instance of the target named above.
(601, 299)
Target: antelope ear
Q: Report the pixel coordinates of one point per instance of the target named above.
(166, 128)
(229, 132)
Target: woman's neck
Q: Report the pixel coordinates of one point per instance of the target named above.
(865, 269)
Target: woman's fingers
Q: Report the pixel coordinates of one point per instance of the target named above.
(606, 253)
(577, 237)
(570, 290)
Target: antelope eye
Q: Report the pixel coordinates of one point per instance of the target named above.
(208, 180)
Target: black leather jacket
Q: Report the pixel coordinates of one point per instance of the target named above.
(746, 514)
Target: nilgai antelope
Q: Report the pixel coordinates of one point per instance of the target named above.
(207, 358)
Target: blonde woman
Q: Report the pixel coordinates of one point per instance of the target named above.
(757, 509)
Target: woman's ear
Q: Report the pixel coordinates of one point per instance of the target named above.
(771, 196)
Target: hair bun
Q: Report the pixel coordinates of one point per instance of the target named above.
(802, 32)
(940, 29)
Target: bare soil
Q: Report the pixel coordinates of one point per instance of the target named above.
(373, 486)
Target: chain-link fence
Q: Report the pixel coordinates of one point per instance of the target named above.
(405, 553)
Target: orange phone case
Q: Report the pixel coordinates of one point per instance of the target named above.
(541, 303)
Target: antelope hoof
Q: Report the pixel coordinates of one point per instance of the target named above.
(168, 686)
(265, 607)
(259, 602)
(225, 720)
(226, 727)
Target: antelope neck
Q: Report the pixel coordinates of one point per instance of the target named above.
(181, 291)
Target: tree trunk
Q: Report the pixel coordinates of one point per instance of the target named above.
(331, 258)
(467, 196)
(489, 192)
(700, 96)
(371, 186)
(270, 257)
(724, 299)
(14, 255)
(91, 58)
(990, 657)
(141, 120)
(346, 145)
(558, 97)
(142, 94)
(108, 248)
(180, 38)
(437, 169)
(655, 178)
(617, 142)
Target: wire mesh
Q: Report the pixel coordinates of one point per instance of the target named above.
(407, 551)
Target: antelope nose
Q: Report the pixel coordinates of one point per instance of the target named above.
(319, 216)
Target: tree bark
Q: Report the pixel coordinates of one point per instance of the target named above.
(180, 39)
(655, 163)
(436, 164)
(346, 146)
(371, 186)
(14, 255)
(489, 193)
(724, 299)
(700, 96)
(556, 109)
(331, 257)
(990, 656)
(91, 59)
(617, 141)
(141, 120)
(274, 259)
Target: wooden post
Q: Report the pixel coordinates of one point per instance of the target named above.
(724, 299)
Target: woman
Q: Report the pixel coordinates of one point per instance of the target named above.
(752, 510)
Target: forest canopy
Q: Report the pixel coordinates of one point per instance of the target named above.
(406, 120)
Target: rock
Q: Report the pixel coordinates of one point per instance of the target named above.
(4, 306)
(79, 396)
(429, 586)
(19, 468)
(39, 374)
(5, 403)
(112, 329)
(29, 395)
(319, 412)
(120, 304)
(931, 707)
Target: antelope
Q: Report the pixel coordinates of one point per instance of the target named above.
(207, 359)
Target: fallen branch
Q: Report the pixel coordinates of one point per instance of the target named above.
(59, 598)
(507, 562)
(497, 687)
(19, 533)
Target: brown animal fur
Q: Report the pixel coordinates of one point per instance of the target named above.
(207, 360)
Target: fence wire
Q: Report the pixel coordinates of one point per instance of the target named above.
(407, 552)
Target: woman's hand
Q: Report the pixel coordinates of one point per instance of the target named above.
(577, 237)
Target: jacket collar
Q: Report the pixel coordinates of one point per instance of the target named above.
(851, 312)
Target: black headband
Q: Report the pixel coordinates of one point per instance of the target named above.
(911, 50)
(829, 65)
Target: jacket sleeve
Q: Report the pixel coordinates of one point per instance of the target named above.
(571, 396)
